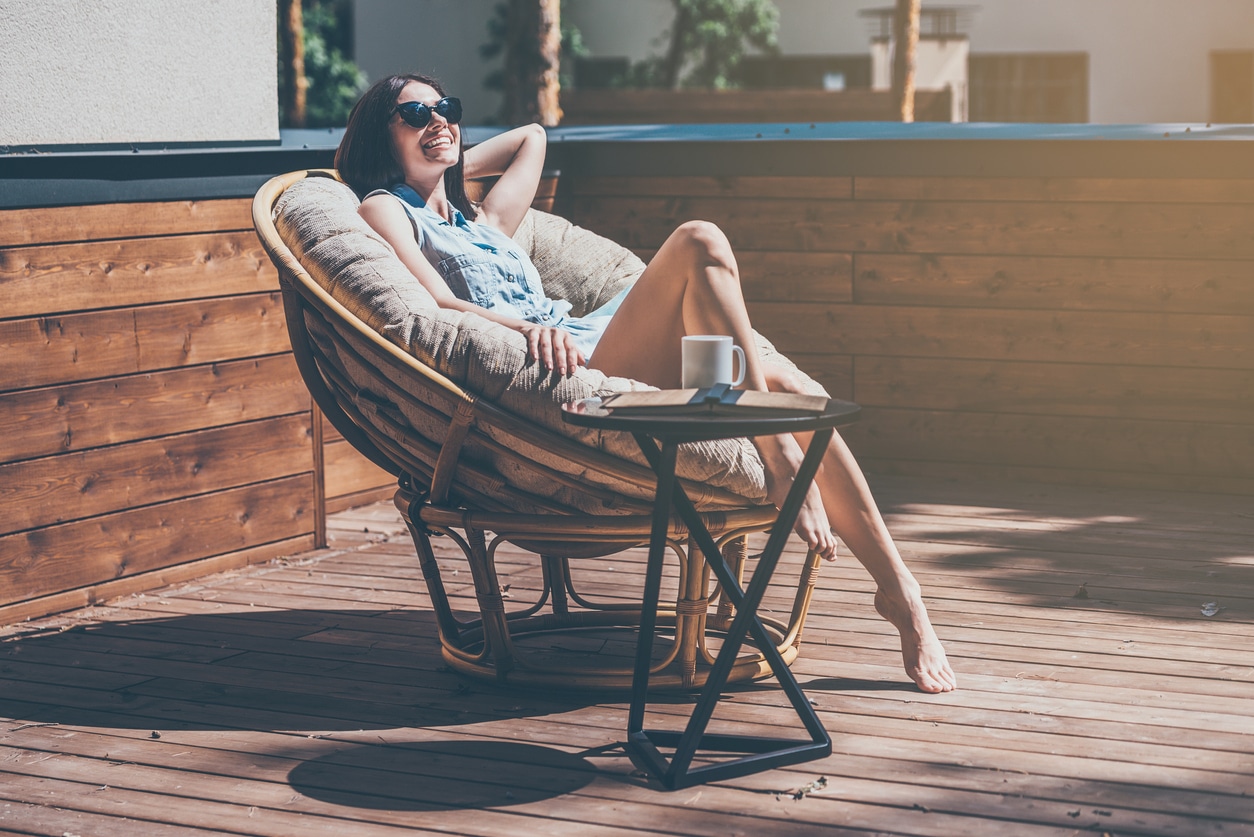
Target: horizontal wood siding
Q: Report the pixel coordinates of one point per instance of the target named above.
(350, 478)
(154, 422)
(1065, 329)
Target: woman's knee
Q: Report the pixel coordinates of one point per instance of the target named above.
(706, 243)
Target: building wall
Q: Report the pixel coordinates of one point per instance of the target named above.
(435, 37)
(1149, 58)
(137, 71)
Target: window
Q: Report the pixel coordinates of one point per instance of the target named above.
(816, 72)
(1029, 87)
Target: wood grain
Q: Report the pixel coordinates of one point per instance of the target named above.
(1166, 340)
(1199, 286)
(53, 225)
(796, 277)
(42, 351)
(53, 420)
(348, 472)
(1134, 230)
(39, 281)
(346, 502)
(1063, 442)
(1195, 396)
(154, 579)
(58, 489)
(44, 561)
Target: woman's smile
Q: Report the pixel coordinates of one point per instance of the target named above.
(441, 141)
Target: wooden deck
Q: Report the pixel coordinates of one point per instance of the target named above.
(307, 697)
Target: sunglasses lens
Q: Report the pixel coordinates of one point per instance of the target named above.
(450, 108)
(415, 114)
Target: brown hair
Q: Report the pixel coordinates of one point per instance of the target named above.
(366, 158)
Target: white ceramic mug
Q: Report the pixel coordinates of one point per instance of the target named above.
(707, 360)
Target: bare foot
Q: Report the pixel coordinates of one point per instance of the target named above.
(921, 651)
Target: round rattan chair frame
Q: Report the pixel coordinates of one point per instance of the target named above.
(440, 493)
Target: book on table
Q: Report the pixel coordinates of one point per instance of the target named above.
(719, 400)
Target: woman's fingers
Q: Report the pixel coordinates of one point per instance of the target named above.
(574, 358)
(554, 348)
(546, 347)
(533, 343)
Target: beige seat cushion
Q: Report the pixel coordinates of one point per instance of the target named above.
(317, 218)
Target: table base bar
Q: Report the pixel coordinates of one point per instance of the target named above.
(765, 754)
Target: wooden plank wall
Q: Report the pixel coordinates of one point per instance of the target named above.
(678, 107)
(153, 423)
(1075, 330)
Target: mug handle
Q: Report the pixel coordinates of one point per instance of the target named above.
(740, 379)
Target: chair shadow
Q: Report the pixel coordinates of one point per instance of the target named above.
(441, 775)
(323, 670)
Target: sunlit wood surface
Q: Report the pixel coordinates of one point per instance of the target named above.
(307, 696)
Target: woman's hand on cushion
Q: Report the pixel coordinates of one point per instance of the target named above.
(553, 347)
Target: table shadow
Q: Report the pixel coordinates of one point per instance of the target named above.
(441, 775)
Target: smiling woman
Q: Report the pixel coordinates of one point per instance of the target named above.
(402, 153)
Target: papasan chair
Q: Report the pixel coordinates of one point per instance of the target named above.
(449, 403)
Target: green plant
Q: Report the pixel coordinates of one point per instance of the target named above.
(708, 39)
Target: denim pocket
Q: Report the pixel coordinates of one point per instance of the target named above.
(479, 278)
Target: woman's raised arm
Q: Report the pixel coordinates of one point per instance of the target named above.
(518, 157)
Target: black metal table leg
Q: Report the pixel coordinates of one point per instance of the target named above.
(764, 753)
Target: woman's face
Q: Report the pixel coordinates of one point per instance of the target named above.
(430, 149)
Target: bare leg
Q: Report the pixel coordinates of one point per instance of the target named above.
(857, 520)
(692, 286)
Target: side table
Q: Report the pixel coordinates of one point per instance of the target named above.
(659, 437)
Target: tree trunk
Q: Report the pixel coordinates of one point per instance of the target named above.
(296, 85)
(532, 58)
(905, 47)
(673, 62)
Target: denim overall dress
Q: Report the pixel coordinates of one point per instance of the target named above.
(483, 265)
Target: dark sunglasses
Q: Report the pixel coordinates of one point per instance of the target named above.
(418, 115)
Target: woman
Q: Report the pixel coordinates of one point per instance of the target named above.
(402, 152)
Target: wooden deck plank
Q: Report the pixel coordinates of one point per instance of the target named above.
(272, 688)
(265, 747)
(145, 752)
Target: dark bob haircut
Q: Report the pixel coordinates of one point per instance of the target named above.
(366, 158)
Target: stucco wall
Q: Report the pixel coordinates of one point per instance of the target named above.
(137, 71)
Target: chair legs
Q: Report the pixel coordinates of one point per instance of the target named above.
(503, 645)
